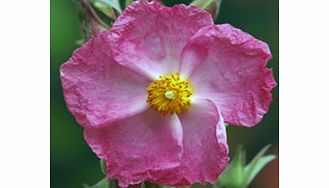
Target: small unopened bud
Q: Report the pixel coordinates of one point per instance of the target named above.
(211, 6)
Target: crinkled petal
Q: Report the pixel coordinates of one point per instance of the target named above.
(138, 145)
(228, 66)
(97, 90)
(205, 151)
(150, 37)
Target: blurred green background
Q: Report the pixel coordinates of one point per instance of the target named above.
(73, 163)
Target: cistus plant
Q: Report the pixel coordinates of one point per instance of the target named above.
(154, 90)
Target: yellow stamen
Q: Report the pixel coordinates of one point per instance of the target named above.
(170, 94)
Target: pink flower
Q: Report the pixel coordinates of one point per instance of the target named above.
(153, 93)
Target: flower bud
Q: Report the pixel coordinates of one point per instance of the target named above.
(211, 6)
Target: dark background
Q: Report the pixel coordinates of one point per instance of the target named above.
(73, 163)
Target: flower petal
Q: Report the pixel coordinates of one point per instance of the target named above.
(137, 145)
(228, 66)
(205, 151)
(150, 37)
(98, 90)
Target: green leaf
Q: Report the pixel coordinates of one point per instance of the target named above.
(239, 175)
(85, 186)
(103, 166)
(110, 4)
(255, 166)
(128, 2)
(211, 6)
(101, 184)
(202, 4)
(261, 153)
(233, 176)
(108, 11)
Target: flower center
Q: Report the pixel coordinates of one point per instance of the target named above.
(170, 94)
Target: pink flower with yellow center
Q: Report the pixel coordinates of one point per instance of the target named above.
(153, 93)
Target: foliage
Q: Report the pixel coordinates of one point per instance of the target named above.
(239, 175)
